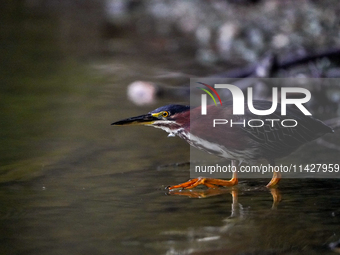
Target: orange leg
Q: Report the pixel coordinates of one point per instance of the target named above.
(193, 183)
(275, 180)
(209, 182)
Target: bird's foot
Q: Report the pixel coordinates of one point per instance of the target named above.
(209, 182)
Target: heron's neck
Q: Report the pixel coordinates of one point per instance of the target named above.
(170, 127)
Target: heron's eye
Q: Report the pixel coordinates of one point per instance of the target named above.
(165, 114)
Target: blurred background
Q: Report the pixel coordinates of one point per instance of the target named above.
(72, 184)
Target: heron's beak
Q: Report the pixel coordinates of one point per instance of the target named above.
(146, 119)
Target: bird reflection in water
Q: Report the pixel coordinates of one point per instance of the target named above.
(234, 191)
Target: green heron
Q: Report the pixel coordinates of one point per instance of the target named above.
(241, 143)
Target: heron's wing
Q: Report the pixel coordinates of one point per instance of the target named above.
(277, 140)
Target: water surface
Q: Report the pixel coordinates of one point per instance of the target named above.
(73, 184)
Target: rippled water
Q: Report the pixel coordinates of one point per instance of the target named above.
(73, 184)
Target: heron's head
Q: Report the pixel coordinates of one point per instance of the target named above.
(169, 118)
